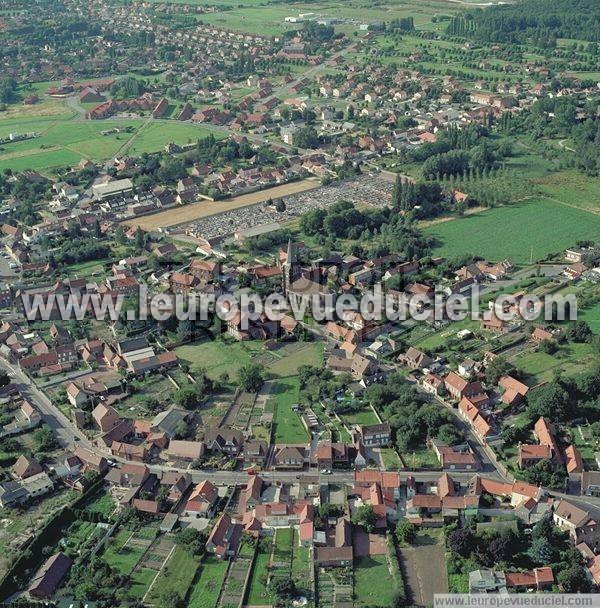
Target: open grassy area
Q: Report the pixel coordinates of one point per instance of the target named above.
(102, 503)
(369, 575)
(217, 357)
(512, 231)
(64, 140)
(288, 426)
(177, 575)
(140, 582)
(570, 187)
(122, 553)
(207, 587)
(571, 359)
(292, 357)
(257, 593)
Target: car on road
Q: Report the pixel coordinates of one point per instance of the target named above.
(325, 471)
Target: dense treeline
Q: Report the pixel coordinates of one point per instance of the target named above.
(540, 22)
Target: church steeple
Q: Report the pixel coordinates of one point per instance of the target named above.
(288, 268)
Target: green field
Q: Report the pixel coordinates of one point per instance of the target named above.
(257, 592)
(571, 359)
(512, 231)
(367, 571)
(288, 427)
(206, 589)
(177, 575)
(572, 188)
(64, 142)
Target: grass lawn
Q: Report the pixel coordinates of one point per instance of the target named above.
(207, 587)
(257, 594)
(120, 557)
(140, 582)
(423, 458)
(540, 367)
(506, 232)
(283, 545)
(292, 357)
(288, 426)
(300, 561)
(591, 316)
(391, 459)
(363, 416)
(177, 575)
(217, 357)
(369, 576)
(102, 503)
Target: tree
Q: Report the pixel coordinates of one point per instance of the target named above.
(187, 398)
(405, 532)
(280, 206)
(497, 368)
(574, 580)
(461, 542)
(541, 551)
(579, 332)
(550, 401)
(365, 516)
(284, 588)
(250, 377)
(4, 378)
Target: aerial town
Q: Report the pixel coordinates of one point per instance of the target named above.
(165, 151)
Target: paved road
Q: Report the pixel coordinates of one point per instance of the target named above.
(68, 436)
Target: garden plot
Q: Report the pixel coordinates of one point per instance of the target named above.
(334, 587)
(234, 583)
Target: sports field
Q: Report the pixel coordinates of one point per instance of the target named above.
(544, 225)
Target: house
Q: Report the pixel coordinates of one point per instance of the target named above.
(513, 390)
(185, 450)
(455, 459)
(459, 387)
(290, 457)
(487, 581)
(256, 452)
(415, 359)
(375, 435)
(528, 454)
(590, 483)
(537, 579)
(226, 440)
(338, 551)
(329, 455)
(540, 334)
(578, 523)
(224, 538)
(202, 500)
(573, 460)
(47, 579)
(26, 467)
(105, 417)
(90, 460)
(168, 421)
(491, 322)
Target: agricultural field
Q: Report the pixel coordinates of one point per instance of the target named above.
(570, 188)
(506, 232)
